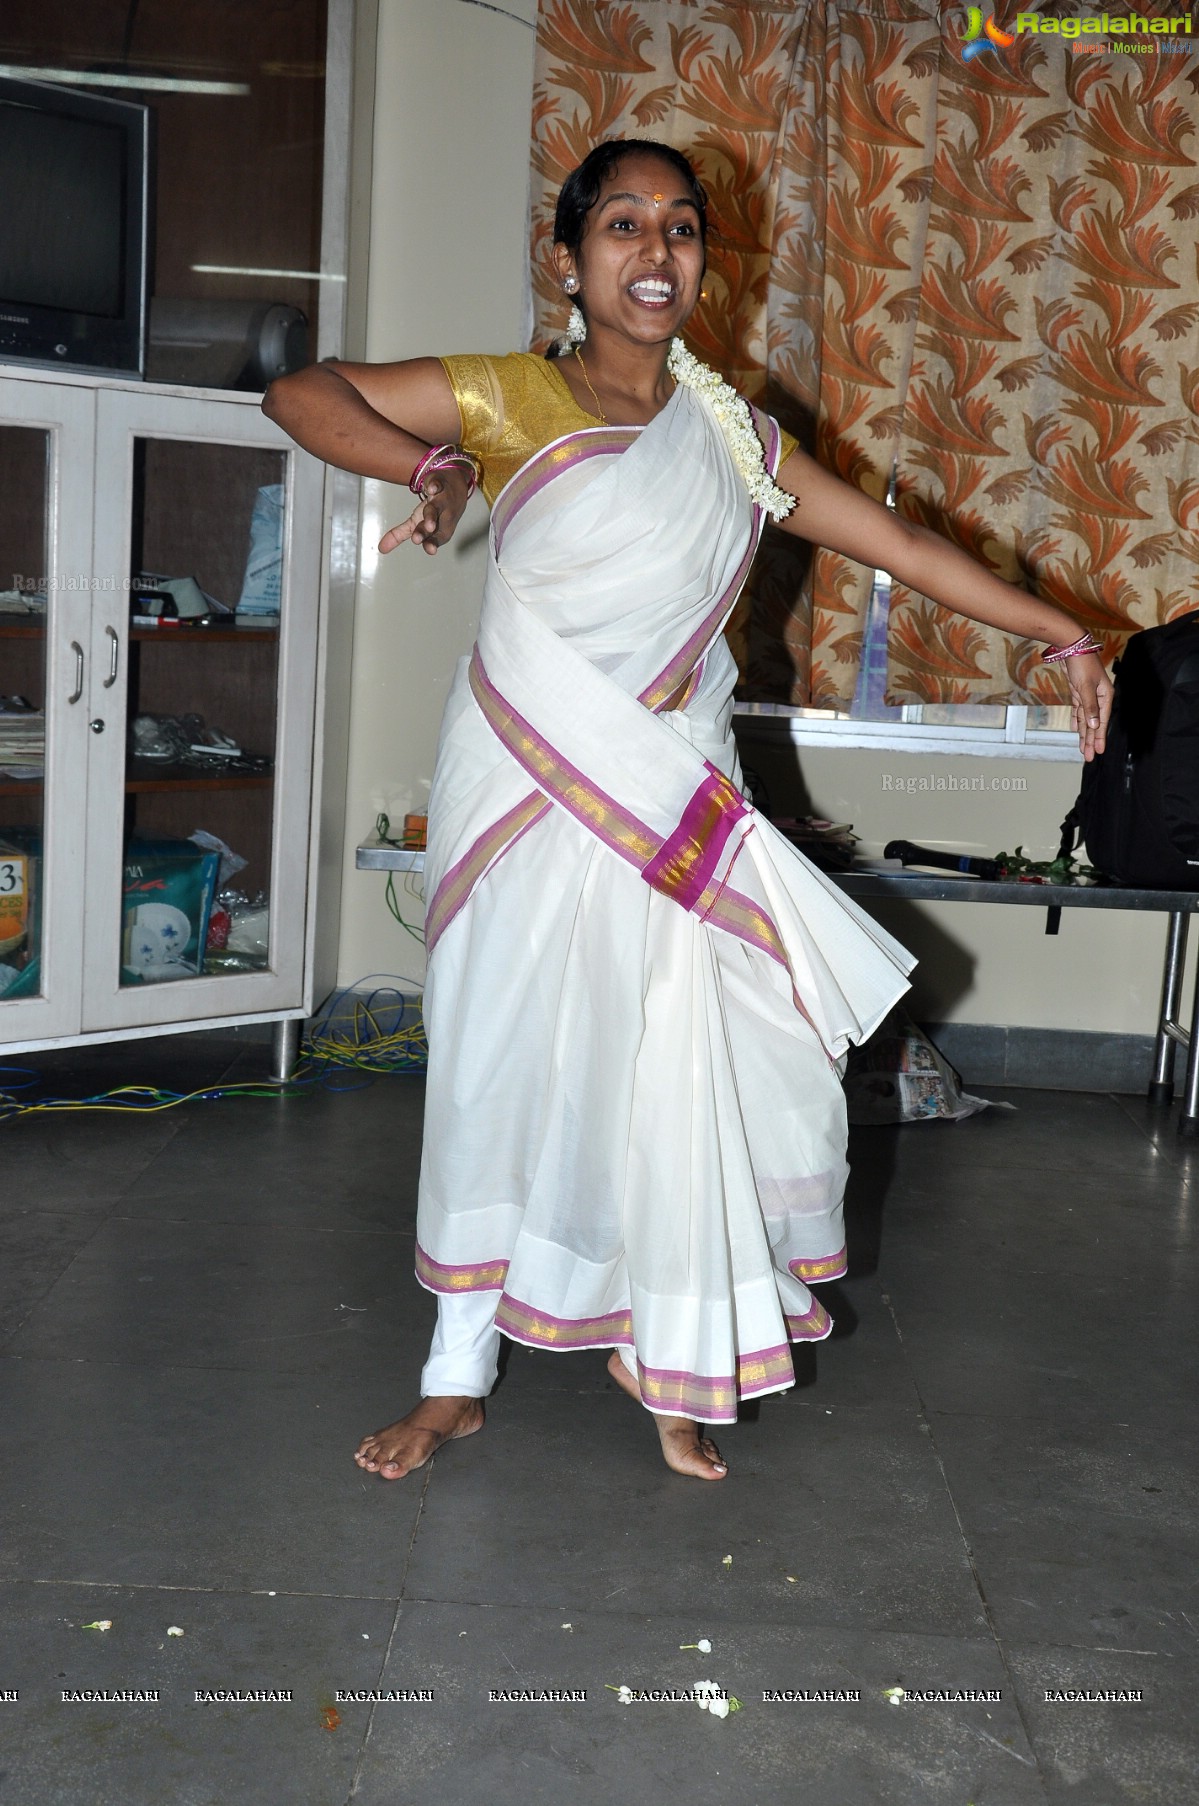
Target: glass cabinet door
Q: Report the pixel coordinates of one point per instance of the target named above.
(45, 508)
(204, 655)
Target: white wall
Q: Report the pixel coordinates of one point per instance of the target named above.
(447, 269)
(981, 962)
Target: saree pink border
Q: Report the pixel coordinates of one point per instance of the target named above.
(684, 864)
(687, 657)
(475, 1276)
(600, 814)
(457, 887)
(814, 1326)
(831, 1266)
(712, 1398)
(540, 1329)
(563, 454)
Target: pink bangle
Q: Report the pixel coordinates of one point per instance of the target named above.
(1054, 655)
(444, 457)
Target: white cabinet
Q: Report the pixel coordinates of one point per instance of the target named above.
(100, 482)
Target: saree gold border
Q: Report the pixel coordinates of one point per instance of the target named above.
(525, 1324)
(482, 1276)
(755, 1372)
(677, 873)
(450, 899)
(813, 1326)
(622, 832)
(551, 461)
(684, 1398)
(742, 918)
(830, 1266)
(738, 916)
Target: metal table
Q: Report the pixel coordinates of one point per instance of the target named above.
(863, 882)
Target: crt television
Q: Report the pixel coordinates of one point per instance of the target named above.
(74, 222)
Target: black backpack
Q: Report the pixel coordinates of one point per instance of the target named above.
(1138, 809)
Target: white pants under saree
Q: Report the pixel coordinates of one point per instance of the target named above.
(635, 1131)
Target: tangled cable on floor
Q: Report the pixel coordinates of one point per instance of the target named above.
(376, 1038)
(365, 1043)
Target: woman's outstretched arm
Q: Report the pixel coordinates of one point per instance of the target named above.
(379, 420)
(832, 513)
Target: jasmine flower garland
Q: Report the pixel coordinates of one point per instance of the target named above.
(736, 423)
(732, 413)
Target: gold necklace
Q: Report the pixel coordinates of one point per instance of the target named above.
(603, 419)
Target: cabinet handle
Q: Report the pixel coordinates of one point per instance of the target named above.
(77, 692)
(113, 654)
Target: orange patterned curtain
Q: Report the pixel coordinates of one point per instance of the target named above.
(982, 270)
(1051, 424)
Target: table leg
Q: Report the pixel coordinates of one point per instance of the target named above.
(1161, 1088)
(285, 1049)
(1188, 1122)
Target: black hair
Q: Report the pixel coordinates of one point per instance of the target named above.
(580, 191)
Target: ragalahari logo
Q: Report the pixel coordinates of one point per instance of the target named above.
(981, 34)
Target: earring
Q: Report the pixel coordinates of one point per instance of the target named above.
(571, 284)
(576, 327)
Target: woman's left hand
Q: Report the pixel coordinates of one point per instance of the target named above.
(1091, 700)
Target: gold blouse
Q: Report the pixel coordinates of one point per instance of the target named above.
(511, 406)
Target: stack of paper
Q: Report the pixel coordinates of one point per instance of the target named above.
(22, 744)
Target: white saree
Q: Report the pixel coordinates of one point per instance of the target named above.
(638, 990)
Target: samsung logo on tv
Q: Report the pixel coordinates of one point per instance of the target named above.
(17, 319)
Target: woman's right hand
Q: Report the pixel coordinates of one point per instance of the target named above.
(433, 520)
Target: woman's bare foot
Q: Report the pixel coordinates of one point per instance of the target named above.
(685, 1450)
(409, 1443)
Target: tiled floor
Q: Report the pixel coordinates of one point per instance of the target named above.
(984, 1480)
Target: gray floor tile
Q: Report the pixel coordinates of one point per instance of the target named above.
(849, 1502)
(178, 1752)
(71, 1163)
(225, 1295)
(189, 1392)
(191, 1477)
(1039, 1344)
(315, 1161)
(1160, 1124)
(863, 1361)
(1081, 1134)
(1082, 1533)
(1020, 1219)
(464, 1749)
(36, 1248)
(1123, 1753)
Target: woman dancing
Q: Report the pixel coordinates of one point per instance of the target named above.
(639, 992)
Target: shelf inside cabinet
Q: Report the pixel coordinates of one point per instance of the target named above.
(226, 633)
(143, 775)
